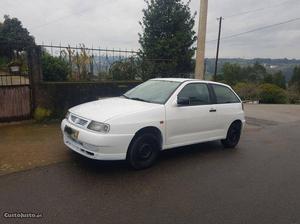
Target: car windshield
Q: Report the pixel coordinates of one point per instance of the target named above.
(153, 91)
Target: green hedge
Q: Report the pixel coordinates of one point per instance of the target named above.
(54, 68)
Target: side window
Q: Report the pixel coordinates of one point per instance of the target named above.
(197, 93)
(225, 95)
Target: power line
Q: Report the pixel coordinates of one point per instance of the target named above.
(60, 18)
(256, 29)
(256, 10)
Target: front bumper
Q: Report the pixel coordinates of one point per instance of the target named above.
(96, 145)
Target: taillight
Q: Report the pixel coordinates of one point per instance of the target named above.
(242, 105)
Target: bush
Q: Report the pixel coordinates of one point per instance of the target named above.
(293, 94)
(247, 91)
(41, 114)
(54, 68)
(123, 70)
(269, 93)
(3, 62)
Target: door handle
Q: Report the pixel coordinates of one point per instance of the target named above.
(213, 110)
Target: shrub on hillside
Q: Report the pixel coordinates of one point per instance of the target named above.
(247, 91)
(293, 94)
(269, 93)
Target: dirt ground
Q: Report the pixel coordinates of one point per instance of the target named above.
(27, 145)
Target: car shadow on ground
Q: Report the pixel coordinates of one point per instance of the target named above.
(176, 155)
(192, 150)
(96, 166)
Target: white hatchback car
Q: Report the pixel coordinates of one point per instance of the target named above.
(158, 114)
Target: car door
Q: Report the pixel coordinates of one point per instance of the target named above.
(192, 123)
(228, 107)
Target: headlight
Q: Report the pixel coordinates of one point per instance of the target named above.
(67, 115)
(99, 127)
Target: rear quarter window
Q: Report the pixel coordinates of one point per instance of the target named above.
(224, 95)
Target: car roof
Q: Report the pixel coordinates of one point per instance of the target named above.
(181, 80)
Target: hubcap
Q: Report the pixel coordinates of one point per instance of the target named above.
(145, 152)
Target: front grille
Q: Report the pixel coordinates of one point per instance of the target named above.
(78, 121)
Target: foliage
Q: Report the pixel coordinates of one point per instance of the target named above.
(232, 73)
(3, 63)
(167, 38)
(80, 62)
(54, 68)
(41, 114)
(272, 65)
(247, 91)
(269, 93)
(293, 94)
(294, 86)
(279, 80)
(265, 93)
(12, 33)
(295, 80)
(255, 74)
(124, 70)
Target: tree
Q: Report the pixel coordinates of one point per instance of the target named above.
(167, 38)
(256, 73)
(295, 80)
(13, 37)
(232, 73)
(279, 80)
(268, 78)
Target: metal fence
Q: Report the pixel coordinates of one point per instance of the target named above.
(13, 66)
(80, 63)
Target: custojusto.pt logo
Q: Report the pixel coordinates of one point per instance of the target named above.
(22, 215)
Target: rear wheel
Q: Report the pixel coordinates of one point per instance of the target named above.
(143, 151)
(233, 135)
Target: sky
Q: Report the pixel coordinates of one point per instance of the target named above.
(115, 24)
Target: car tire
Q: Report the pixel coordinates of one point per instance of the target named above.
(143, 151)
(233, 135)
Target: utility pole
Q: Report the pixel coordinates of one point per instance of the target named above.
(200, 54)
(218, 47)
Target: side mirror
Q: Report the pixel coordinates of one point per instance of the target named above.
(183, 101)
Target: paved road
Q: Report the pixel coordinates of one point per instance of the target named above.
(257, 183)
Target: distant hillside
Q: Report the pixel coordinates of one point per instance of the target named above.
(285, 65)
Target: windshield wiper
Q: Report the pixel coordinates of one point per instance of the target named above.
(136, 98)
(139, 99)
(125, 96)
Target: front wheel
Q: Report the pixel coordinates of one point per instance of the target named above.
(143, 151)
(233, 135)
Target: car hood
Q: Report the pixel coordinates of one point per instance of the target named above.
(105, 109)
